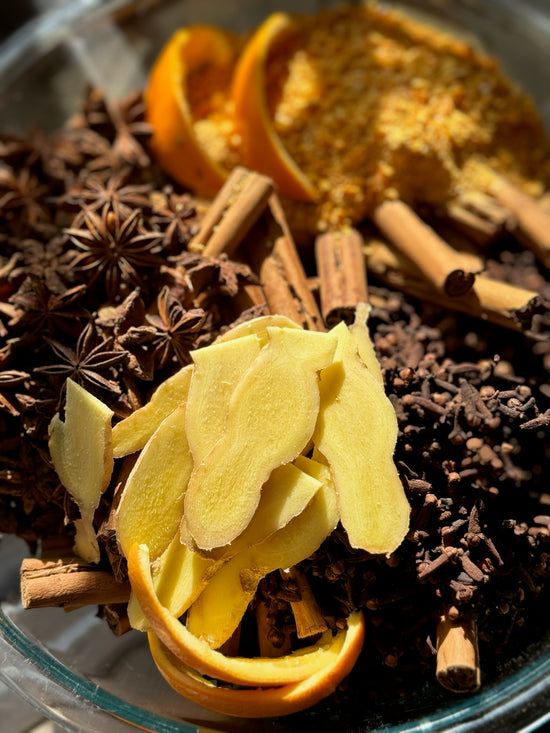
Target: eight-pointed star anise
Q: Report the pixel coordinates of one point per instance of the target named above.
(89, 363)
(177, 329)
(113, 249)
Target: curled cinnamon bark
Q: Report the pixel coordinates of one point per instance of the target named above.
(343, 282)
(68, 582)
(438, 262)
(457, 655)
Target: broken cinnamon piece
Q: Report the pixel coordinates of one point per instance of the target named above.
(479, 216)
(274, 258)
(457, 667)
(493, 300)
(68, 582)
(438, 262)
(240, 203)
(116, 615)
(533, 220)
(307, 614)
(341, 267)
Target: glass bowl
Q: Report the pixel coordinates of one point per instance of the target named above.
(70, 665)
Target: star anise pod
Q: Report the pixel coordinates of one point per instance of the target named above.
(39, 310)
(94, 194)
(114, 250)
(176, 329)
(88, 363)
(221, 275)
(175, 217)
(22, 200)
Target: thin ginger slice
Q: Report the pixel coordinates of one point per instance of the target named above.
(270, 419)
(362, 341)
(151, 505)
(82, 454)
(356, 433)
(180, 574)
(132, 433)
(220, 607)
(257, 326)
(217, 370)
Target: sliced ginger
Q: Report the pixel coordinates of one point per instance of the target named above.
(180, 574)
(151, 505)
(132, 433)
(270, 420)
(82, 454)
(219, 609)
(356, 433)
(218, 368)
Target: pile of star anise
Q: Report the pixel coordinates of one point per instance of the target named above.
(96, 284)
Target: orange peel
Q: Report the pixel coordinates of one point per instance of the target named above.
(195, 653)
(190, 50)
(263, 702)
(261, 147)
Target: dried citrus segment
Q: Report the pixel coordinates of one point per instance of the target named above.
(261, 147)
(263, 702)
(197, 654)
(205, 53)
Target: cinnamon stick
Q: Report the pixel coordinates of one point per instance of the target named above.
(438, 262)
(238, 205)
(69, 582)
(479, 216)
(533, 220)
(491, 300)
(272, 255)
(307, 614)
(116, 615)
(457, 666)
(343, 282)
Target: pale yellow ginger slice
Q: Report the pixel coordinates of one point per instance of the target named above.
(82, 454)
(257, 327)
(151, 506)
(361, 338)
(132, 433)
(270, 419)
(217, 370)
(180, 574)
(220, 607)
(356, 433)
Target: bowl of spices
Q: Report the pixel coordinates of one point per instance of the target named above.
(274, 319)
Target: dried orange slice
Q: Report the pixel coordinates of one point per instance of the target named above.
(196, 653)
(263, 702)
(196, 62)
(261, 147)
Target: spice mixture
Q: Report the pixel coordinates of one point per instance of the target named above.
(97, 284)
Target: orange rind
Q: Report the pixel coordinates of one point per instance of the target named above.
(261, 147)
(263, 702)
(194, 50)
(195, 653)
